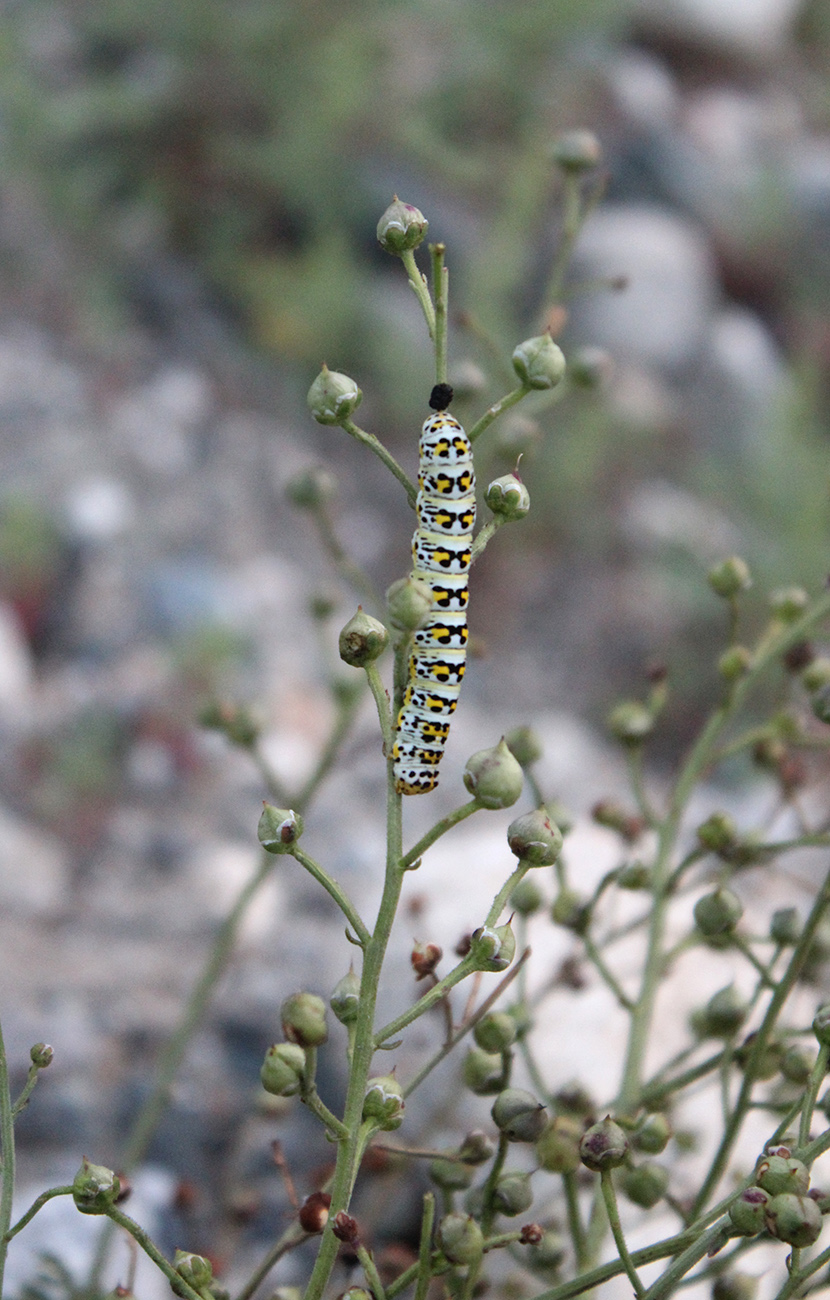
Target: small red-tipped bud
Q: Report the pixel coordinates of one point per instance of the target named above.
(282, 1069)
(345, 998)
(279, 829)
(590, 367)
(508, 498)
(401, 228)
(557, 1149)
(311, 488)
(333, 397)
(493, 949)
(513, 1194)
(424, 958)
(734, 663)
(788, 603)
(95, 1189)
(577, 151)
(535, 839)
(531, 1234)
(495, 1032)
(631, 722)
(539, 363)
(519, 1116)
(645, 1184)
(195, 1269)
(483, 1072)
(451, 1175)
(524, 744)
(345, 1228)
(304, 1019)
(748, 1211)
(383, 1102)
(41, 1055)
(409, 603)
(821, 1025)
(493, 777)
(653, 1134)
(362, 640)
(603, 1146)
(460, 1238)
(794, 1219)
(314, 1212)
(477, 1147)
(718, 913)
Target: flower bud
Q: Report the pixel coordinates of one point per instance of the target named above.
(314, 1212)
(794, 1219)
(821, 1025)
(653, 1134)
(723, 1014)
(508, 498)
(495, 1032)
(282, 1069)
(785, 927)
(635, 875)
(538, 362)
(195, 1269)
(41, 1055)
(570, 910)
(524, 744)
(345, 1228)
(352, 1293)
(345, 998)
(95, 1189)
(577, 151)
(748, 1211)
(766, 1067)
(483, 1072)
(401, 228)
(279, 829)
(526, 898)
(333, 397)
(492, 949)
(645, 1184)
(629, 826)
(734, 663)
(590, 367)
(535, 839)
(362, 640)
(797, 1065)
(311, 488)
(408, 603)
(718, 833)
(631, 722)
(788, 603)
(603, 1146)
(816, 674)
(513, 1194)
(424, 958)
(730, 577)
(477, 1147)
(493, 777)
(451, 1175)
(304, 1019)
(519, 1116)
(718, 913)
(460, 1238)
(545, 1255)
(383, 1102)
(557, 1149)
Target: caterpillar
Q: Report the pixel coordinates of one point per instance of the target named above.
(441, 555)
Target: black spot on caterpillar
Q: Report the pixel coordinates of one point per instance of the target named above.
(441, 554)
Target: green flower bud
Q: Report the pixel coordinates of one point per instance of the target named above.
(723, 1014)
(635, 875)
(524, 744)
(545, 1255)
(557, 1149)
(519, 1115)
(363, 640)
(788, 603)
(311, 488)
(279, 829)
(780, 1173)
(408, 603)
(451, 1175)
(492, 948)
(718, 833)
(631, 722)
(653, 1134)
(333, 397)
(734, 1286)
(734, 663)
(607, 812)
(577, 151)
(535, 839)
(304, 1019)
(603, 1146)
(41, 1055)
(590, 367)
(570, 910)
(816, 674)
(508, 498)
(383, 1102)
(460, 1238)
(345, 998)
(495, 1032)
(526, 898)
(748, 1211)
(477, 1147)
(718, 912)
(513, 1194)
(483, 1072)
(351, 1293)
(821, 1025)
(539, 363)
(282, 1069)
(195, 1269)
(794, 1219)
(401, 228)
(767, 1066)
(785, 926)
(95, 1189)
(730, 577)
(797, 1065)
(493, 777)
(645, 1184)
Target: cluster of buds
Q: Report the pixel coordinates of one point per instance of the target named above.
(779, 1200)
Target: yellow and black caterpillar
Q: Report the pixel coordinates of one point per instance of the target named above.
(441, 554)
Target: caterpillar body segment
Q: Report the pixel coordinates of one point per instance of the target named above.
(441, 557)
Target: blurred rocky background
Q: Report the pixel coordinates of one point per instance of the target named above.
(187, 211)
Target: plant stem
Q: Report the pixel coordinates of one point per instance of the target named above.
(575, 1225)
(667, 1281)
(425, 1248)
(369, 1267)
(374, 444)
(498, 408)
(610, 1199)
(141, 1238)
(440, 828)
(430, 998)
(334, 891)
(26, 1092)
(418, 284)
(381, 699)
(8, 1158)
(811, 1092)
(36, 1205)
(440, 289)
(485, 535)
(292, 1237)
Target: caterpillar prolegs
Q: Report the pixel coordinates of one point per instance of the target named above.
(441, 554)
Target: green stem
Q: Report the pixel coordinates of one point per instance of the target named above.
(440, 828)
(334, 891)
(36, 1205)
(425, 1248)
(610, 1199)
(575, 1224)
(499, 902)
(7, 1154)
(485, 535)
(597, 960)
(381, 699)
(26, 1092)
(369, 1267)
(375, 445)
(498, 408)
(424, 1004)
(657, 1091)
(292, 1237)
(440, 289)
(666, 1282)
(420, 288)
(141, 1238)
(799, 1277)
(571, 226)
(811, 1092)
(488, 1212)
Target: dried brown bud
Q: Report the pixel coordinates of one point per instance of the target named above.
(314, 1212)
(531, 1234)
(424, 958)
(345, 1228)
